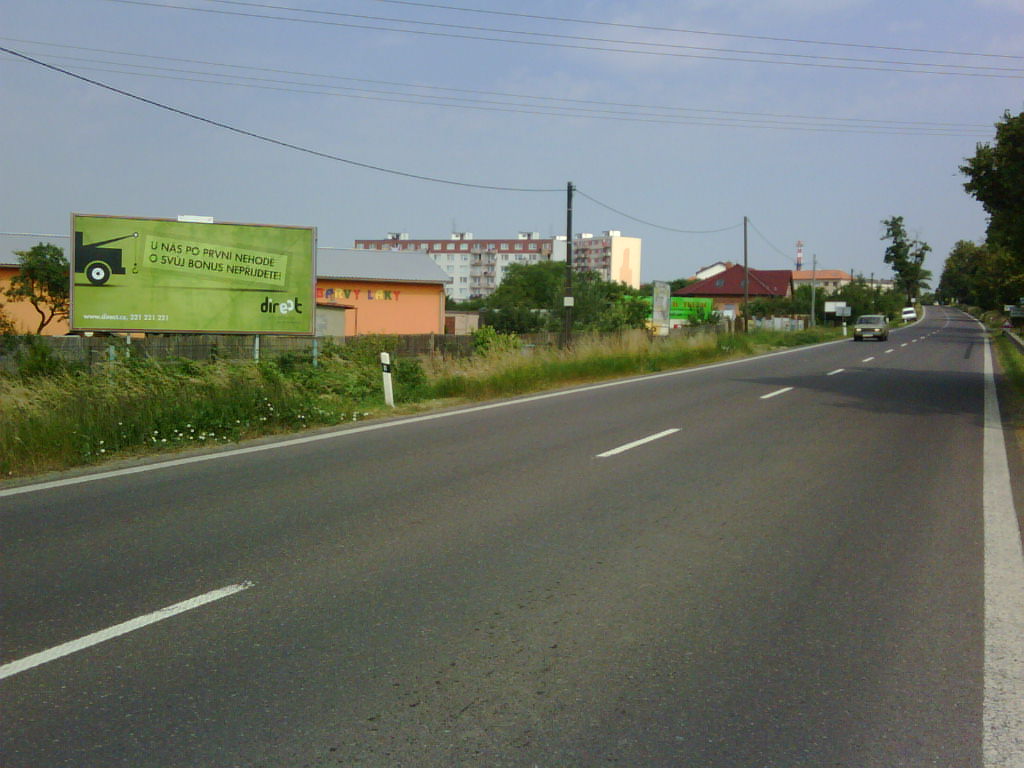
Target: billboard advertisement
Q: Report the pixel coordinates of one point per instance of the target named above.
(170, 276)
(684, 309)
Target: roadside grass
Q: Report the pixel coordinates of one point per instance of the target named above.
(1011, 360)
(70, 419)
(59, 419)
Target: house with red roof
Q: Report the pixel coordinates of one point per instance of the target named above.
(727, 289)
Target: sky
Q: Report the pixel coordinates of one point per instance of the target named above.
(674, 119)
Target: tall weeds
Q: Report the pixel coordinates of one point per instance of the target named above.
(67, 418)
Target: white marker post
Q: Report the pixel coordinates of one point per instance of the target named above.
(385, 366)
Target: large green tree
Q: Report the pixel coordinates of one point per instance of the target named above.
(529, 299)
(906, 257)
(526, 297)
(983, 276)
(605, 306)
(43, 281)
(995, 177)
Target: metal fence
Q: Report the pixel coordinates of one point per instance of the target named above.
(88, 351)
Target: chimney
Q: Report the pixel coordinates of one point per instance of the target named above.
(799, 255)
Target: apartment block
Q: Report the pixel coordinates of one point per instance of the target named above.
(476, 265)
(614, 257)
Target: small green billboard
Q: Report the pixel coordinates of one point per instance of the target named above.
(685, 309)
(171, 276)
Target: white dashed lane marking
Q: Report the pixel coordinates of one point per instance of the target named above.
(636, 443)
(73, 646)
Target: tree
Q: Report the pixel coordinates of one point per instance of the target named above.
(865, 299)
(980, 276)
(530, 299)
(538, 286)
(526, 297)
(996, 179)
(605, 306)
(906, 257)
(958, 282)
(6, 323)
(43, 281)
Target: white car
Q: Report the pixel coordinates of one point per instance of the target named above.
(909, 314)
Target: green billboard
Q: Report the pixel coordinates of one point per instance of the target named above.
(687, 309)
(170, 276)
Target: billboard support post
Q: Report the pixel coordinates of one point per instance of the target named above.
(256, 348)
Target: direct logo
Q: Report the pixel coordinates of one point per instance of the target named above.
(269, 306)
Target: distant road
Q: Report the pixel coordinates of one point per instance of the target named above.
(775, 562)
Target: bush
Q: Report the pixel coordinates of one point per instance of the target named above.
(35, 358)
(487, 340)
(410, 381)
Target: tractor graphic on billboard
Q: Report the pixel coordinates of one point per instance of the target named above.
(97, 262)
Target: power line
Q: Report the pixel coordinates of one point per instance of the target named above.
(541, 110)
(268, 139)
(734, 35)
(920, 70)
(366, 17)
(653, 224)
(770, 243)
(724, 114)
(31, 234)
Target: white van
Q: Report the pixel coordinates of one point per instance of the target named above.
(909, 314)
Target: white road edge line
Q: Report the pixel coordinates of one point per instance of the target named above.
(636, 443)
(73, 646)
(777, 392)
(837, 370)
(1003, 707)
(335, 434)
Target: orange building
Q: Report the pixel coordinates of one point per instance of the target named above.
(393, 292)
(24, 315)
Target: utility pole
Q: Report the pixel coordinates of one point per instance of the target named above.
(814, 279)
(568, 300)
(746, 280)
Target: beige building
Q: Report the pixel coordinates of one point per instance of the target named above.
(825, 280)
(614, 257)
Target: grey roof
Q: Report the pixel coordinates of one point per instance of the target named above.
(394, 266)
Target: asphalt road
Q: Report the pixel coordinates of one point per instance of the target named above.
(791, 580)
